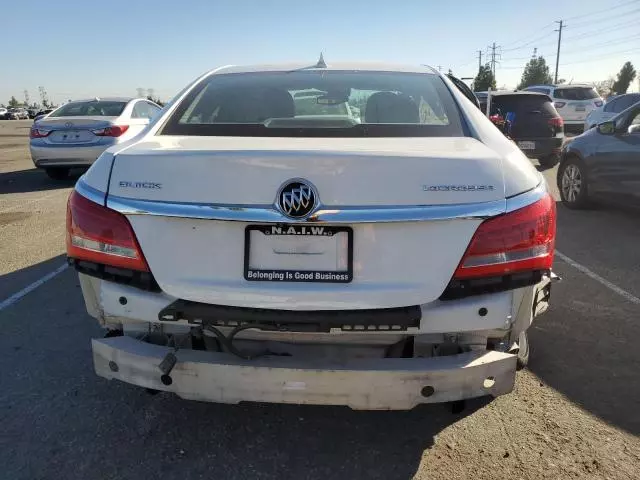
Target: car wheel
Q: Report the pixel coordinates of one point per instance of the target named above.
(523, 351)
(549, 161)
(57, 173)
(572, 183)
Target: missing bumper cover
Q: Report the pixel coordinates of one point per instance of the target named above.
(387, 319)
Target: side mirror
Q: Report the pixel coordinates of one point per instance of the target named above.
(607, 128)
(634, 128)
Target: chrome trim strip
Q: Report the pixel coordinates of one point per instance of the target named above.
(269, 214)
(527, 198)
(89, 192)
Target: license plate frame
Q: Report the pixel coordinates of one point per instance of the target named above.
(527, 145)
(297, 276)
(580, 108)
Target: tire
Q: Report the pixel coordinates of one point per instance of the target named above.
(549, 161)
(572, 182)
(57, 173)
(523, 352)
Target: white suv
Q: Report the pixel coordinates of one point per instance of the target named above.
(573, 102)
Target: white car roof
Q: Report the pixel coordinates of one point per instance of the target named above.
(376, 67)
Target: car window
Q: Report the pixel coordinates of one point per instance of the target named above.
(625, 102)
(140, 110)
(576, 93)
(522, 104)
(91, 108)
(153, 109)
(611, 106)
(302, 103)
(546, 91)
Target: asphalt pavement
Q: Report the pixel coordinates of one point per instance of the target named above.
(575, 411)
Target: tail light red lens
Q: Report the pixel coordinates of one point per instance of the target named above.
(522, 240)
(38, 133)
(559, 104)
(557, 122)
(114, 131)
(597, 103)
(98, 234)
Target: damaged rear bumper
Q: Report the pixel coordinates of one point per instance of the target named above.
(363, 384)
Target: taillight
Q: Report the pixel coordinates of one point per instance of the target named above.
(557, 122)
(99, 234)
(114, 131)
(559, 104)
(597, 103)
(38, 133)
(522, 240)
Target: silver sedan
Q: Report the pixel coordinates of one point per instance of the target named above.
(75, 134)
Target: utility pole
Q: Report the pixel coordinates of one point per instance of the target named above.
(561, 26)
(26, 98)
(479, 59)
(493, 58)
(439, 68)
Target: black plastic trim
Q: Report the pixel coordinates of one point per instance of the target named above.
(385, 319)
(132, 278)
(458, 289)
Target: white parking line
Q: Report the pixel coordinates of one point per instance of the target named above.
(611, 286)
(28, 289)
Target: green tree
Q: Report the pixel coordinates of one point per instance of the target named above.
(484, 80)
(626, 75)
(13, 103)
(535, 72)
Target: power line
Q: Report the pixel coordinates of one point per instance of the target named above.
(595, 33)
(607, 55)
(531, 34)
(608, 9)
(606, 18)
(597, 46)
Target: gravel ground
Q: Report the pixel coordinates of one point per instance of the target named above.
(575, 412)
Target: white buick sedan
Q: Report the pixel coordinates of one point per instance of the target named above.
(248, 247)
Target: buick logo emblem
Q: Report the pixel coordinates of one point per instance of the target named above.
(297, 198)
(68, 124)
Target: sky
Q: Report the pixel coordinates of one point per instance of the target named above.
(79, 48)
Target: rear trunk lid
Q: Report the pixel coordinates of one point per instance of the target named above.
(74, 130)
(196, 253)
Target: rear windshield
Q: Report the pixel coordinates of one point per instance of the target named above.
(318, 103)
(576, 93)
(94, 108)
(522, 104)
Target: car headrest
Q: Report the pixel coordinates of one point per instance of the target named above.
(388, 107)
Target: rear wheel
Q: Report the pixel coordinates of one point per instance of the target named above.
(572, 183)
(549, 161)
(57, 173)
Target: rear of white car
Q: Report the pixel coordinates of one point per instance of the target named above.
(238, 251)
(573, 102)
(77, 133)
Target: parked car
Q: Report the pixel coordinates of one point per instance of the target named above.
(603, 163)
(573, 102)
(32, 112)
(42, 114)
(3, 113)
(75, 134)
(534, 124)
(610, 109)
(377, 264)
(17, 114)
